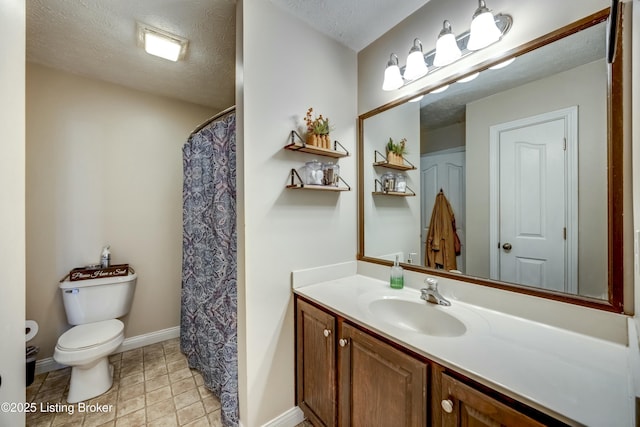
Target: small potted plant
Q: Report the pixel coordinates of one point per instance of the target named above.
(318, 130)
(396, 151)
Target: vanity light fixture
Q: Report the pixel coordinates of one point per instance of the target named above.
(485, 30)
(392, 76)
(440, 89)
(502, 64)
(469, 78)
(416, 67)
(447, 50)
(161, 43)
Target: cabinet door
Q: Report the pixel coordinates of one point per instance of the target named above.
(466, 406)
(316, 364)
(379, 384)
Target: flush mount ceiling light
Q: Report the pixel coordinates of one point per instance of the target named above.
(486, 29)
(161, 43)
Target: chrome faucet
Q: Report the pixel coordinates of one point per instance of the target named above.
(431, 294)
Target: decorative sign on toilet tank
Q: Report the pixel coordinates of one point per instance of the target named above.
(85, 273)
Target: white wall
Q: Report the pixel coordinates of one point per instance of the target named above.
(12, 208)
(286, 67)
(104, 166)
(392, 224)
(444, 138)
(566, 89)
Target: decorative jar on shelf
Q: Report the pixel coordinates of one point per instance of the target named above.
(388, 182)
(320, 141)
(331, 172)
(313, 173)
(400, 184)
(394, 158)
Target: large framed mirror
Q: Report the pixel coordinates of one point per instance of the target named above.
(529, 159)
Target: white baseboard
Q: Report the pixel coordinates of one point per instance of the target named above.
(291, 418)
(148, 339)
(48, 364)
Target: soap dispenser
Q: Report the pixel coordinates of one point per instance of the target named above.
(105, 258)
(397, 275)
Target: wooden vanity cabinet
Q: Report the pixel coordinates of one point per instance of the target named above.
(462, 405)
(347, 376)
(379, 385)
(316, 373)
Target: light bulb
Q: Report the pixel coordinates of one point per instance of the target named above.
(416, 67)
(484, 30)
(447, 50)
(392, 77)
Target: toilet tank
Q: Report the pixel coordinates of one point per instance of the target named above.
(94, 300)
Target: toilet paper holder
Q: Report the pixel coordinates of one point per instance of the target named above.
(31, 329)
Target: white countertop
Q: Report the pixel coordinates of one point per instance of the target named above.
(563, 373)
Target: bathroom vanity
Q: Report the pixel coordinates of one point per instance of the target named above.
(369, 355)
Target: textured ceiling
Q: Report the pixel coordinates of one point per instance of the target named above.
(97, 38)
(354, 23)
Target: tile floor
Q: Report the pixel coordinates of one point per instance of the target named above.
(153, 386)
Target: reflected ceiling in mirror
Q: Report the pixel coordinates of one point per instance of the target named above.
(448, 107)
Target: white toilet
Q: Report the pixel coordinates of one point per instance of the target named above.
(94, 306)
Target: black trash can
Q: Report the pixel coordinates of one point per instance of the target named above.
(31, 353)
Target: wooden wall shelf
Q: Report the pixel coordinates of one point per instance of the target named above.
(317, 187)
(394, 193)
(381, 160)
(378, 191)
(300, 145)
(297, 184)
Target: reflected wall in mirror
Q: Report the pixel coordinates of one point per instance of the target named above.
(520, 153)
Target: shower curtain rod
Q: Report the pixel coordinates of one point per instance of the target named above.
(215, 117)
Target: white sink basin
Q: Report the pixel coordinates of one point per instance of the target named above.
(417, 316)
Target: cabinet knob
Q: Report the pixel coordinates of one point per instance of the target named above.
(343, 342)
(447, 405)
(327, 332)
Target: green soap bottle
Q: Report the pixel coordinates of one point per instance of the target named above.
(397, 275)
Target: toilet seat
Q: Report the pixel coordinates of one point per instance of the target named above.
(86, 349)
(87, 336)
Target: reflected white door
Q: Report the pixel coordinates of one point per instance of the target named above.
(534, 202)
(443, 170)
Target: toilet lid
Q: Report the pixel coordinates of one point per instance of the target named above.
(90, 334)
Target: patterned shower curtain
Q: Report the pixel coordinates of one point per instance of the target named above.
(208, 328)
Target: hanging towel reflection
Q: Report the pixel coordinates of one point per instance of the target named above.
(442, 243)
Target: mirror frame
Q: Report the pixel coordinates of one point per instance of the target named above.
(617, 253)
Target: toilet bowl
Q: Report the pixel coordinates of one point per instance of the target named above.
(93, 305)
(86, 348)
